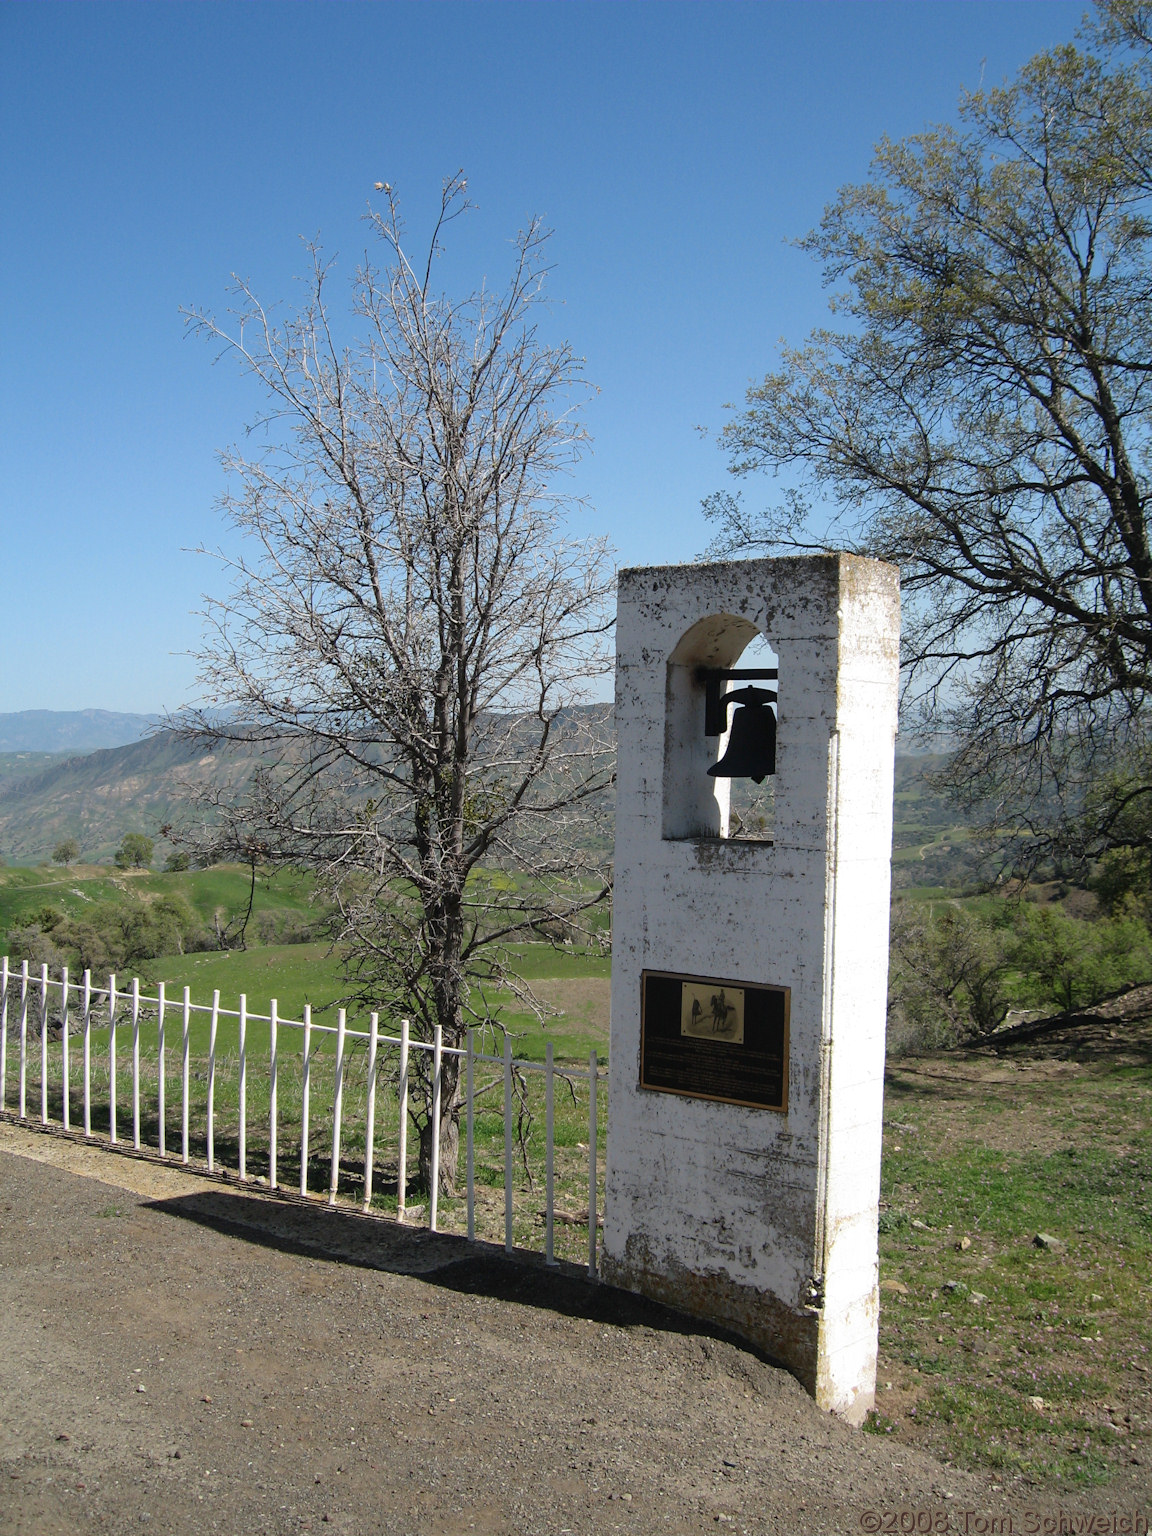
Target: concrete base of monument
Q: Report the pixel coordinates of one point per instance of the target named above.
(842, 1381)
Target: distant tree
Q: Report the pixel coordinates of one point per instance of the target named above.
(134, 852)
(177, 861)
(408, 631)
(983, 418)
(66, 852)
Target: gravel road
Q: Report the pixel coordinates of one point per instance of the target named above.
(178, 1355)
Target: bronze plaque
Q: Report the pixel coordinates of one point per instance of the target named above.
(714, 1039)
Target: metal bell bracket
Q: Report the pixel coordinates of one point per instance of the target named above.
(716, 703)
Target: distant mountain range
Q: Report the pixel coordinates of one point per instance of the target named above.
(71, 730)
(97, 796)
(48, 793)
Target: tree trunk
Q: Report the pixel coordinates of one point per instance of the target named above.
(449, 1129)
(449, 1149)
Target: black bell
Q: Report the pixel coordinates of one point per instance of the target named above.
(751, 750)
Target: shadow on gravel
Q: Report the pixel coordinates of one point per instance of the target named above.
(473, 1269)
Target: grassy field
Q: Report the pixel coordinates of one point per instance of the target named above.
(997, 1351)
(25, 890)
(572, 984)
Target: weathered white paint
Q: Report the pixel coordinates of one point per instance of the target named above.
(765, 1221)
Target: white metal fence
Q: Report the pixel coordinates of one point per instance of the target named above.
(97, 1020)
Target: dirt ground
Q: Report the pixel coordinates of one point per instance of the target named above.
(178, 1355)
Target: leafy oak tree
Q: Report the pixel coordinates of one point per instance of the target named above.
(981, 415)
(134, 852)
(409, 631)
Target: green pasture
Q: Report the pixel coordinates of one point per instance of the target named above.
(224, 888)
(1024, 1357)
(296, 974)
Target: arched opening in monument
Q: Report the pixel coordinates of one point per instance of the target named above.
(720, 733)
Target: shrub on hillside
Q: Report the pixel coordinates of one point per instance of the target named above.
(1066, 963)
(947, 975)
(288, 928)
(110, 935)
(955, 971)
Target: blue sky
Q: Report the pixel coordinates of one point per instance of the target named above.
(152, 149)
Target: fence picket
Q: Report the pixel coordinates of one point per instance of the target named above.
(370, 1126)
(508, 1143)
(549, 1149)
(470, 1149)
(592, 1159)
(112, 1057)
(4, 1036)
(87, 1053)
(43, 1045)
(23, 1039)
(212, 1082)
(402, 1156)
(184, 1076)
(160, 1002)
(307, 1091)
(65, 1105)
(243, 1086)
(434, 1160)
(273, 1074)
(136, 1062)
(337, 1107)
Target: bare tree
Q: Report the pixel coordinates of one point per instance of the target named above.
(981, 416)
(409, 633)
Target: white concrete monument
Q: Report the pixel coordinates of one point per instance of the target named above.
(750, 954)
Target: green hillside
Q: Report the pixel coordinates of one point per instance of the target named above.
(96, 798)
(24, 892)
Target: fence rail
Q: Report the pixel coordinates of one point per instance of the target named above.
(100, 1016)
